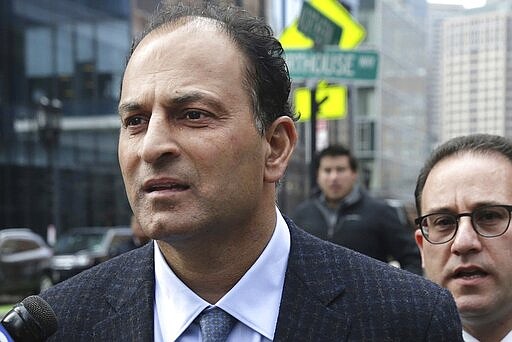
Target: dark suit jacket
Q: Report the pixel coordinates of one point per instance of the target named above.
(330, 294)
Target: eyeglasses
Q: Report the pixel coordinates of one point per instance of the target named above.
(488, 221)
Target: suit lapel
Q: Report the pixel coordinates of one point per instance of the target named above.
(132, 296)
(305, 314)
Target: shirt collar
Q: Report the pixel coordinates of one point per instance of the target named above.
(175, 303)
(468, 338)
(253, 301)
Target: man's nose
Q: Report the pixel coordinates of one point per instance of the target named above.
(334, 173)
(466, 239)
(159, 139)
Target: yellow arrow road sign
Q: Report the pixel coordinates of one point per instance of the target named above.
(352, 35)
(334, 107)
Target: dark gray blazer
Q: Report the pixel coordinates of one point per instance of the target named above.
(330, 294)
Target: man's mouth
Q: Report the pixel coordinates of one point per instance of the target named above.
(164, 185)
(469, 273)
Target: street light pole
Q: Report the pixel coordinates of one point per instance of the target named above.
(48, 123)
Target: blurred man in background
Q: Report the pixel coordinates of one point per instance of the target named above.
(343, 213)
(139, 238)
(464, 199)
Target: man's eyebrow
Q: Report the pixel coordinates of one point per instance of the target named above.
(194, 96)
(171, 101)
(185, 98)
(190, 97)
(129, 107)
(447, 209)
(436, 210)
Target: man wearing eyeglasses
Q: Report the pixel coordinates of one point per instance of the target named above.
(464, 202)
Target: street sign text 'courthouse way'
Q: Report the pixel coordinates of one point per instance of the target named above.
(335, 64)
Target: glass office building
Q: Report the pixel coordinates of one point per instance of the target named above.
(74, 52)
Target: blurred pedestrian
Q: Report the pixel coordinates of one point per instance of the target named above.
(207, 132)
(464, 199)
(139, 238)
(342, 212)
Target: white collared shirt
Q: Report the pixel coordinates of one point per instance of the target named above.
(254, 301)
(468, 338)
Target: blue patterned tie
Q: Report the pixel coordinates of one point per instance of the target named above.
(215, 324)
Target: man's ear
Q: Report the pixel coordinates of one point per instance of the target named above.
(419, 241)
(281, 138)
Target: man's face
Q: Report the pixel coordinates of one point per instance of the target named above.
(190, 155)
(476, 270)
(335, 177)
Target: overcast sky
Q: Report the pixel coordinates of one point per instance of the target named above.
(466, 3)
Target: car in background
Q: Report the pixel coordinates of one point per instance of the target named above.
(84, 247)
(405, 212)
(24, 262)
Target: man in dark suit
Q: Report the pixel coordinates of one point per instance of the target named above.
(206, 134)
(463, 198)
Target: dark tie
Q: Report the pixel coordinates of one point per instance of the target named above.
(215, 324)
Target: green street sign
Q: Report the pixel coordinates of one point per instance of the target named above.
(318, 27)
(332, 64)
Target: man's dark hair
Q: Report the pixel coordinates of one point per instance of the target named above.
(474, 143)
(336, 151)
(266, 76)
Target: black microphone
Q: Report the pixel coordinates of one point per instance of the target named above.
(32, 320)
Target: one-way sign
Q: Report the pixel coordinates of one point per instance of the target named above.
(318, 27)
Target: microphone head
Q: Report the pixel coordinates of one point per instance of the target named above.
(42, 313)
(31, 320)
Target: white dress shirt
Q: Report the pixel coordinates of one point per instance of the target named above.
(468, 338)
(254, 301)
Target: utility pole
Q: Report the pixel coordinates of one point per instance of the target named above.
(315, 107)
(48, 123)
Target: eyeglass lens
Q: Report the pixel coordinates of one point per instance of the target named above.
(487, 221)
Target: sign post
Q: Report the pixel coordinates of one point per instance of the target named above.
(326, 23)
(315, 105)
